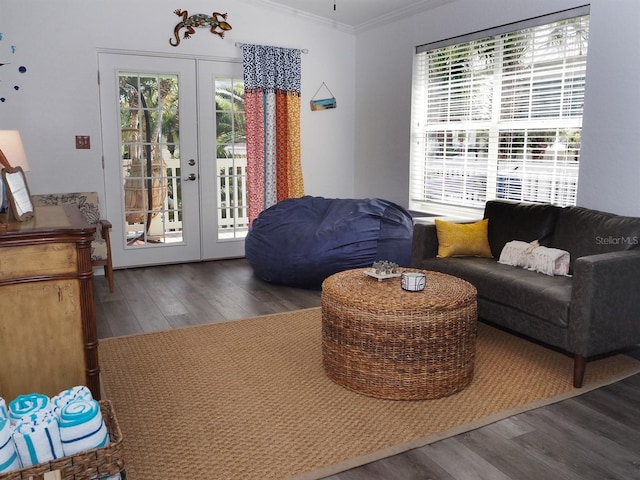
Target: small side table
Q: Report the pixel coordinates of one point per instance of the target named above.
(385, 342)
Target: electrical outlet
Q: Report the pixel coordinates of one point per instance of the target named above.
(83, 142)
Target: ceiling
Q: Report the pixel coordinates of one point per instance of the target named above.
(357, 13)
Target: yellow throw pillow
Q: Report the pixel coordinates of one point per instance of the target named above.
(463, 239)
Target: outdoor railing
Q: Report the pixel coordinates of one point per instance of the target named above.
(231, 205)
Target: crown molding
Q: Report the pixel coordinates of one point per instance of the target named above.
(418, 7)
(396, 15)
(268, 4)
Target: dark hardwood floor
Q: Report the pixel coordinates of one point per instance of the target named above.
(594, 436)
(170, 296)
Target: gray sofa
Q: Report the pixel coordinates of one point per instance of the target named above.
(594, 311)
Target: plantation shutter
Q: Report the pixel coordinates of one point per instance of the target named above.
(500, 116)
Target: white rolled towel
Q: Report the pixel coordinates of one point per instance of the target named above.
(37, 438)
(27, 404)
(4, 413)
(82, 426)
(9, 459)
(80, 392)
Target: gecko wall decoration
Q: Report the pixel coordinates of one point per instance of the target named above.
(217, 22)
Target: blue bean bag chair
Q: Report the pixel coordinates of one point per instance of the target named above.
(301, 241)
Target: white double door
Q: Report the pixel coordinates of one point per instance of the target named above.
(171, 195)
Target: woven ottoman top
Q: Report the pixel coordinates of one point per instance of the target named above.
(442, 292)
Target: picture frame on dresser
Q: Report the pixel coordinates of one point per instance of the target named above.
(18, 195)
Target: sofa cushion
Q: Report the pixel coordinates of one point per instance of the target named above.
(542, 296)
(462, 239)
(519, 221)
(582, 231)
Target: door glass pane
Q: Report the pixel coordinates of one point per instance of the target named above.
(150, 148)
(231, 158)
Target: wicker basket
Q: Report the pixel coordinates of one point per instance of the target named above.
(386, 342)
(96, 463)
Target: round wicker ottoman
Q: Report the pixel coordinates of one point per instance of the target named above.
(385, 342)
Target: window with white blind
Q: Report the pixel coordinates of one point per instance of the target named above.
(498, 114)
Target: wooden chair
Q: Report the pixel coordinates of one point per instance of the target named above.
(88, 204)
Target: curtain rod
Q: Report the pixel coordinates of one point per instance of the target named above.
(240, 45)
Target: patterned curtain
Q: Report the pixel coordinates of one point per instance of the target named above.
(272, 112)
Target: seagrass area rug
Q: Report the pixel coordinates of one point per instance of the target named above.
(249, 399)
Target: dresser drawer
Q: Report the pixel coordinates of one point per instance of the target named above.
(28, 261)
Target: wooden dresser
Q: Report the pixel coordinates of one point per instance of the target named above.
(48, 339)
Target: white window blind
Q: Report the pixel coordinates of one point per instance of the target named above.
(499, 116)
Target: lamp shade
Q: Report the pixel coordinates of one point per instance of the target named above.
(11, 146)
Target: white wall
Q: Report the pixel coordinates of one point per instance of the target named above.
(359, 149)
(58, 42)
(610, 168)
(610, 162)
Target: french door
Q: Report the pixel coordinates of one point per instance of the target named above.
(174, 158)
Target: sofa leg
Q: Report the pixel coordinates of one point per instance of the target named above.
(579, 367)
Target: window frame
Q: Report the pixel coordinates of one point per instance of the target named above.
(419, 129)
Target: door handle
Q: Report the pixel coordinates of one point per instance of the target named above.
(191, 177)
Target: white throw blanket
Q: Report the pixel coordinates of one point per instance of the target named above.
(533, 256)
(8, 455)
(550, 261)
(37, 438)
(516, 253)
